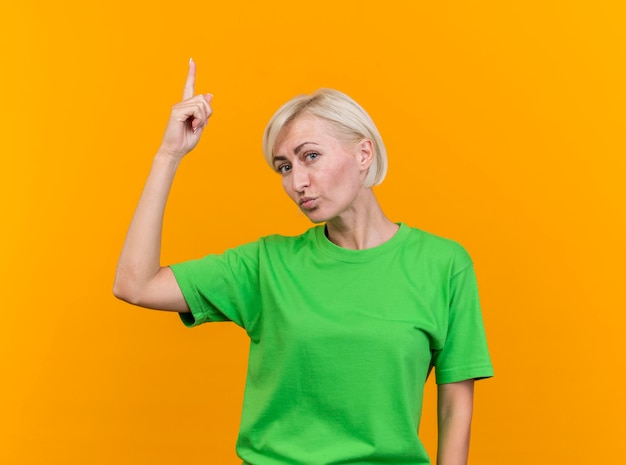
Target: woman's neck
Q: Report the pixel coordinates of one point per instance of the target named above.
(364, 228)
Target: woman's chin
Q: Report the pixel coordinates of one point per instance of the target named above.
(315, 216)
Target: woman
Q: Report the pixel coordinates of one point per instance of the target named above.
(345, 321)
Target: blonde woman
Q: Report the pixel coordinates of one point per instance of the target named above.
(346, 320)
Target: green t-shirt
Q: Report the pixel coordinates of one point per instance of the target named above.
(341, 341)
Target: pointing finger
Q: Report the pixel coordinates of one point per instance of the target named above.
(191, 79)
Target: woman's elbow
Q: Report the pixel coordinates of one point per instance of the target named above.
(123, 289)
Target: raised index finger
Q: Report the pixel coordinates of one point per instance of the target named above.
(191, 80)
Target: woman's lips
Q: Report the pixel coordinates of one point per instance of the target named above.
(307, 203)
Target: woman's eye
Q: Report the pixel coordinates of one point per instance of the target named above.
(283, 169)
(312, 155)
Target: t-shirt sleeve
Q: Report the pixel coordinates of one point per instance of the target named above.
(464, 354)
(221, 287)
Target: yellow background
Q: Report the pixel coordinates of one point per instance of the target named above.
(505, 127)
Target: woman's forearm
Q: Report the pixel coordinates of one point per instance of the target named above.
(140, 259)
(454, 414)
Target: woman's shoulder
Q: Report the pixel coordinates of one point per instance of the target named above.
(289, 241)
(438, 247)
(432, 239)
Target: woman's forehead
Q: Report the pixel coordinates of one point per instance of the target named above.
(304, 128)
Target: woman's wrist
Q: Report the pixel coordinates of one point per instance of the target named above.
(167, 159)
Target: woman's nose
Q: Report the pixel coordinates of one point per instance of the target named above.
(299, 179)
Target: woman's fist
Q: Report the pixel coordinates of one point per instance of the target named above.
(187, 120)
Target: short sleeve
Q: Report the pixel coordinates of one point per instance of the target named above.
(221, 287)
(464, 354)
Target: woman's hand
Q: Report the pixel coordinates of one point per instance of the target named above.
(187, 120)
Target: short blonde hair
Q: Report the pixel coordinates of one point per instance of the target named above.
(346, 116)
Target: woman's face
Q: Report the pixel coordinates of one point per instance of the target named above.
(320, 172)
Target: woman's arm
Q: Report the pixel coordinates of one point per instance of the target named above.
(455, 403)
(140, 279)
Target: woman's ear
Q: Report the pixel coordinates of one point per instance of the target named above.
(365, 153)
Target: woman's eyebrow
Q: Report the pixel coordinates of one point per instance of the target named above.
(280, 158)
(295, 151)
(299, 147)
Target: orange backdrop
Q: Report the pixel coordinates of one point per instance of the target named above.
(505, 127)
